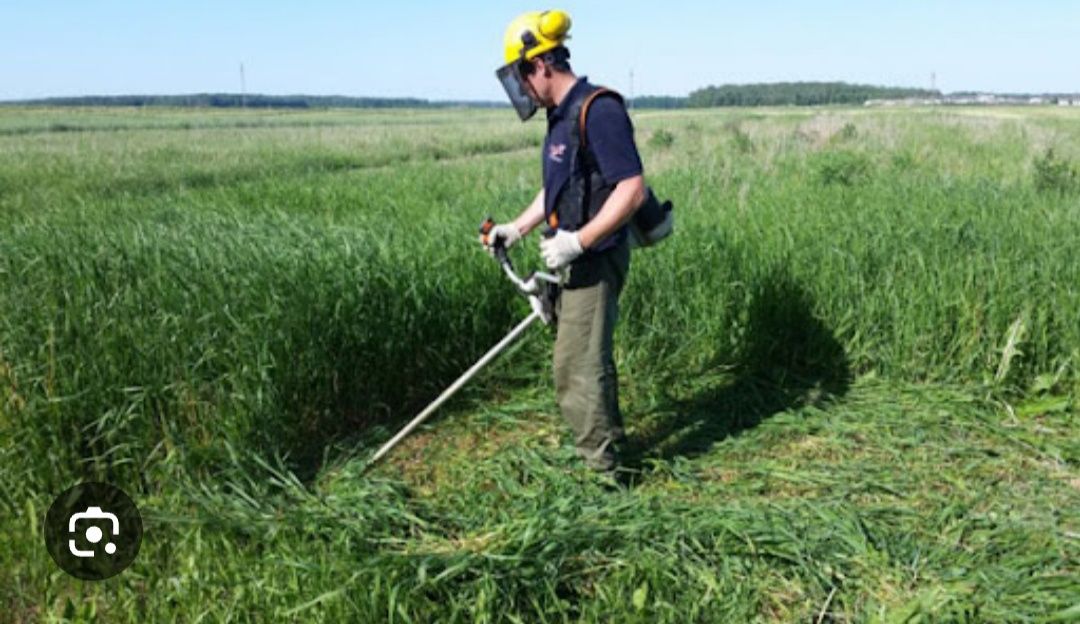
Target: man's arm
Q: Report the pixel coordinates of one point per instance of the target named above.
(611, 136)
(624, 200)
(531, 216)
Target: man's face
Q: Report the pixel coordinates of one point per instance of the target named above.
(538, 84)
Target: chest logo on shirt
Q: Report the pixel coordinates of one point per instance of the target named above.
(556, 152)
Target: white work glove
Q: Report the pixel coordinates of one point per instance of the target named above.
(508, 232)
(561, 249)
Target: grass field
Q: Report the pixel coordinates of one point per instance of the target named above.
(850, 379)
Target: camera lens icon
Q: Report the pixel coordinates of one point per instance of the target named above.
(93, 535)
(93, 531)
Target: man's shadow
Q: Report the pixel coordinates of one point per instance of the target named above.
(787, 358)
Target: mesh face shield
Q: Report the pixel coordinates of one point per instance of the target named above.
(510, 78)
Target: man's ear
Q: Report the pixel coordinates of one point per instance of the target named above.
(542, 66)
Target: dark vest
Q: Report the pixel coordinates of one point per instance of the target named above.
(584, 194)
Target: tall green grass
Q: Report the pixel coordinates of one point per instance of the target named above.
(223, 315)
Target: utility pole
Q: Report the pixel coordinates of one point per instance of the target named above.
(630, 103)
(933, 81)
(243, 86)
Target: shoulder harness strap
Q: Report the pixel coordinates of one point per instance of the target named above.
(583, 114)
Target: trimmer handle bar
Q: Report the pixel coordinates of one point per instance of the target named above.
(533, 284)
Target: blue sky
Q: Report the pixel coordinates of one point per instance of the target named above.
(443, 50)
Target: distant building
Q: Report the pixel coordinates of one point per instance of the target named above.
(981, 99)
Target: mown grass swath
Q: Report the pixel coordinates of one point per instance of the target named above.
(850, 377)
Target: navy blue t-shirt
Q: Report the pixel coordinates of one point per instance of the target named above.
(610, 136)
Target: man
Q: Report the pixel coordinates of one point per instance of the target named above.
(592, 184)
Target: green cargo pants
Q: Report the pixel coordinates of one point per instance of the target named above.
(586, 383)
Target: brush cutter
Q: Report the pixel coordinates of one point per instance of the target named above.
(539, 288)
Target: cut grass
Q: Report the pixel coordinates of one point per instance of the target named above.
(896, 500)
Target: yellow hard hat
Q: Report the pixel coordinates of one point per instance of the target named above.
(533, 33)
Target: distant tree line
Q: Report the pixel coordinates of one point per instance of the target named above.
(781, 94)
(236, 100)
(659, 101)
(799, 94)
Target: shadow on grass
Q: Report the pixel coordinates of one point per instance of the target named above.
(788, 358)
